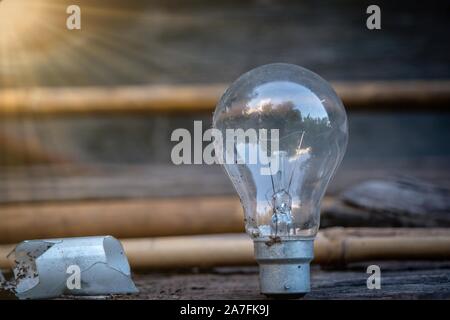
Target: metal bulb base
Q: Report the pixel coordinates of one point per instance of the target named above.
(284, 267)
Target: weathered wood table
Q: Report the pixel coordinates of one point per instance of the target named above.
(399, 280)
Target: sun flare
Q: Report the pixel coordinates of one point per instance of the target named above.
(37, 48)
(20, 21)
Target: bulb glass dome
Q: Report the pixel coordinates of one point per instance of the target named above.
(302, 144)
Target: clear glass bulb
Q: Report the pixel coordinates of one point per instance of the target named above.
(311, 122)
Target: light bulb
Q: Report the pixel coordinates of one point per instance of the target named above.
(303, 141)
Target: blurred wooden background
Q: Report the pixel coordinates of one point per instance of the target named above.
(86, 117)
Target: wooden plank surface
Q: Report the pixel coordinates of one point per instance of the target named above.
(106, 182)
(399, 280)
(203, 41)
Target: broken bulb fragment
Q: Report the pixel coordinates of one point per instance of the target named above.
(71, 266)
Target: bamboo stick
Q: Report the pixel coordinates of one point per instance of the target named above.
(395, 95)
(132, 218)
(121, 218)
(332, 246)
(173, 99)
(189, 251)
(344, 245)
(124, 99)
